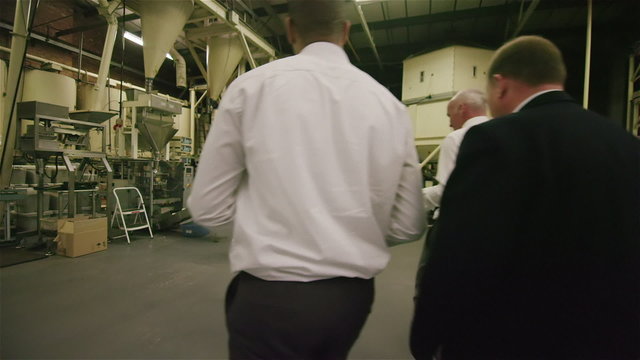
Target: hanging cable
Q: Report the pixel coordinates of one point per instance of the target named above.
(55, 173)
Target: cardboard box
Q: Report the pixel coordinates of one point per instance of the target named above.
(81, 236)
(54, 224)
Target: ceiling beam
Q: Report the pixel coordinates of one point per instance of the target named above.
(214, 29)
(485, 11)
(523, 19)
(232, 19)
(95, 25)
(273, 14)
(498, 10)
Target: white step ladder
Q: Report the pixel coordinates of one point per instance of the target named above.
(118, 214)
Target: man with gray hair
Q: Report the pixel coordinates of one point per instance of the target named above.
(315, 163)
(466, 109)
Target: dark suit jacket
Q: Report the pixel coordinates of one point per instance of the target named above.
(538, 250)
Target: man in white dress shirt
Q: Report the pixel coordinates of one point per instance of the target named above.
(315, 163)
(466, 109)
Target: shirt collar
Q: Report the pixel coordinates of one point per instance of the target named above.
(528, 100)
(474, 121)
(325, 51)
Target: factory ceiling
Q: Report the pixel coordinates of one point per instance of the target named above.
(384, 32)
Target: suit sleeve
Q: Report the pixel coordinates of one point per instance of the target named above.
(465, 254)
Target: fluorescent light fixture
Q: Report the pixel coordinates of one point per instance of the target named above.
(138, 40)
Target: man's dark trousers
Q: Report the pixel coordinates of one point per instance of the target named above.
(295, 320)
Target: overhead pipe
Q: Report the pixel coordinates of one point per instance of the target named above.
(431, 156)
(365, 26)
(107, 52)
(70, 68)
(523, 19)
(353, 50)
(587, 56)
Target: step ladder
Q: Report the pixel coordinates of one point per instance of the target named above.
(119, 214)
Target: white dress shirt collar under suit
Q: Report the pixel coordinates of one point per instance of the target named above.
(315, 163)
(528, 100)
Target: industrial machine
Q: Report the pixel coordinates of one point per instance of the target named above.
(52, 132)
(180, 147)
(151, 116)
(66, 156)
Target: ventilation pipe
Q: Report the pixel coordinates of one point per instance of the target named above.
(181, 68)
(107, 51)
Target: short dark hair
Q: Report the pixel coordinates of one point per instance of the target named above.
(533, 60)
(317, 20)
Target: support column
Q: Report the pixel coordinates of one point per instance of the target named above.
(22, 19)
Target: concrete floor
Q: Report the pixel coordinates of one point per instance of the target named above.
(160, 299)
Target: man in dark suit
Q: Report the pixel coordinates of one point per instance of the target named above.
(538, 250)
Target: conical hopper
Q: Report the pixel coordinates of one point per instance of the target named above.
(225, 54)
(156, 130)
(162, 21)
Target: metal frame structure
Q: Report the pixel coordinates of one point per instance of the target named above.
(41, 153)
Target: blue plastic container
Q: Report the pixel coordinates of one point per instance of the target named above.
(193, 230)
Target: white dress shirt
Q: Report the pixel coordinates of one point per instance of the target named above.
(315, 163)
(447, 161)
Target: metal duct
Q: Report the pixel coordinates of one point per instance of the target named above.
(181, 69)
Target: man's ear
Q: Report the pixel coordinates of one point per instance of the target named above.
(291, 35)
(501, 84)
(346, 28)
